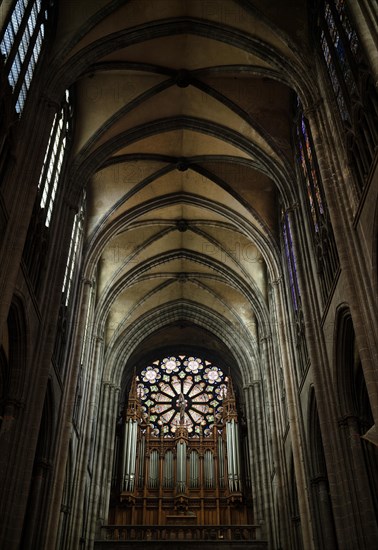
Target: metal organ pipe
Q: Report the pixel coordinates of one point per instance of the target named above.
(142, 446)
(194, 469)
(154, 469)
(129, 454)
(168, 470)
(233, 454)
(209, 469)
(181, 466)
(221, 462)
(230, 460)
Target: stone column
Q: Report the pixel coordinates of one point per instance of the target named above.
(67, 405)
(90, 398)
(110, 446)
(19, 191)
(277, 433)
(351, 253)
(325, 523)
(298, 445)
(364, 14)
(254, 457)
(101, 441)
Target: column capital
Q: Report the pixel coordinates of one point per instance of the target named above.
(291, 208)
(252, 384)
(277, 282)
(86, 281)
(311, 109)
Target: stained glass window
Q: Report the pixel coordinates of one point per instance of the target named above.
(291, 264)
(309, 171)
(290, 261)
(338, 40)
(352, 84)
(323, 239)
(182, 390)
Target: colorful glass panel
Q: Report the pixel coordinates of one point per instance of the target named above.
(182, 390)
(309, 170)
(291, 262)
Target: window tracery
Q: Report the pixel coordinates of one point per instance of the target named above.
(351, 83)
(21, 45)
(182, 390)
(291, 266)
(322, 233)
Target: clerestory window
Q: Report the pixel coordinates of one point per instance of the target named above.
(315, 202)
(351, 82)
(54, 157)
(21, 45)
(292, 276)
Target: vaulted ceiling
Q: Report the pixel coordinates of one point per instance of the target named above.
(183, 114)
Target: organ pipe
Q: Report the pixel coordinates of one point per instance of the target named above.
(221, 462)
(181, 466)
(154, 470)
(194, 474)
(209, 469)
(168, 470)
(233, 455)
(129, 460)
(142, 448)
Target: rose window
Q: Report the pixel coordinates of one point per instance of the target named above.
(182, 390)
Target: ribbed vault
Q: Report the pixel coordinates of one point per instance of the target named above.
(183, 145)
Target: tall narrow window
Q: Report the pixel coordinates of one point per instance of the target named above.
(21, 45)
(322, 233)
(72, 256)
(291, 263)
(37, 242)
(71, 270)
(351, 83)
(53, 161)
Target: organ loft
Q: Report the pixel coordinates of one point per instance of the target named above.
(180, 451)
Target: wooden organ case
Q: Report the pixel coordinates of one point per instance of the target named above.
(175, 475)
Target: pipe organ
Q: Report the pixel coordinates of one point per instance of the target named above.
(181, 459)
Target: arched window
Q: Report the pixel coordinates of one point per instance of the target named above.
(70, 273)
(292, 277)
(54, 157)
(351, 83)
(322, 233)
(291, 262)
(37, 241)
(182, 388)
(355, 411)
(21, 45)
(73, 253)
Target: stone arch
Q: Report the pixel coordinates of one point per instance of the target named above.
(355, 413)
(245, 354)
(294, 508)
